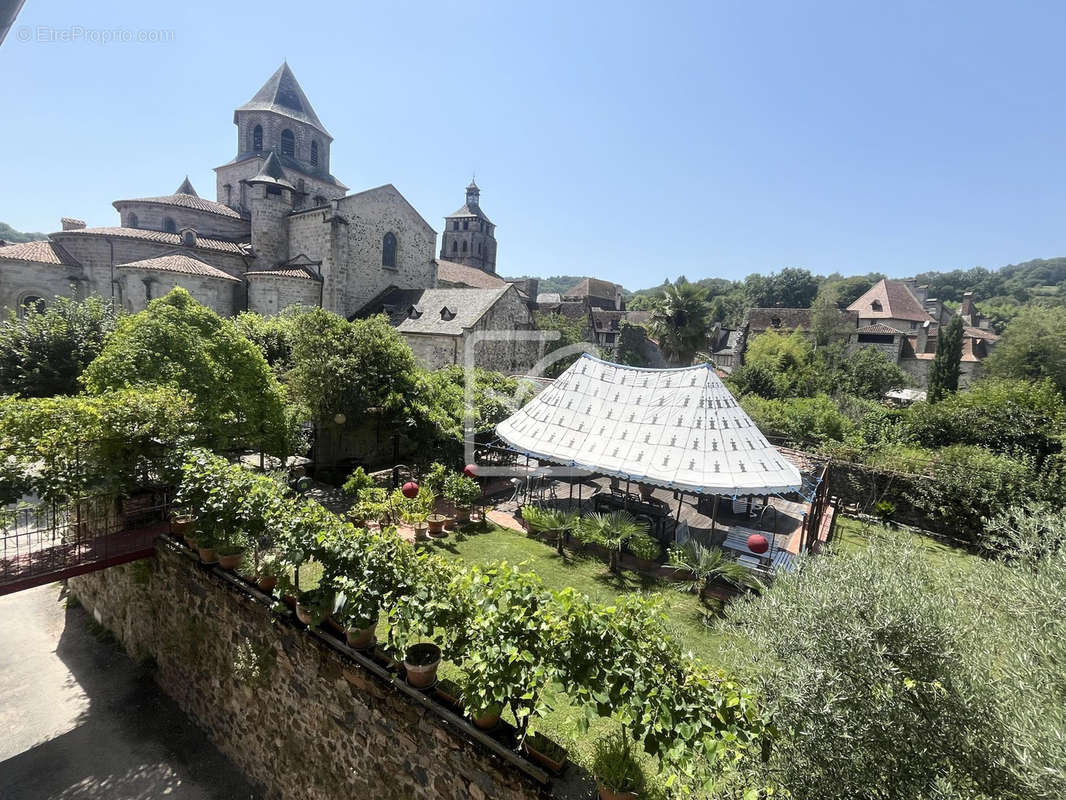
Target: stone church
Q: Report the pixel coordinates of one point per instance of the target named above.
(282, 231)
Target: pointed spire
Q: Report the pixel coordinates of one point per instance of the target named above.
(272, 172)
(282, 95)
(186, 188)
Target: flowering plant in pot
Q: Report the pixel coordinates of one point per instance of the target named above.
(463, 492)
(506, 643)
(618, 772)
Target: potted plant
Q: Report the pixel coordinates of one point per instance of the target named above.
(435, 523)
(545, 752)
(645, 548)
(231, 548)
(263, 571)
(619, 774)
(207, 547)
(421, 661)
(463, 492)
(183, 524)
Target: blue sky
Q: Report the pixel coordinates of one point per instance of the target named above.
(632, 141)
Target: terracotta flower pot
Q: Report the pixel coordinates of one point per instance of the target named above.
(230, 560)
(421, 662)
(462, 514)
(421, 532)
(436, 524)
(182, 525)
(361, 638)
(208, 555)
(266, 583)
(554, 761)
(305, 614)
(488, 719)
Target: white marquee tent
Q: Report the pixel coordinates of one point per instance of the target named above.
(678, 428)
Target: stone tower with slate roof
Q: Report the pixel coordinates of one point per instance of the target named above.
(469, 236)
(279, 119)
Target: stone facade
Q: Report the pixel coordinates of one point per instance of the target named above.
(295, 710)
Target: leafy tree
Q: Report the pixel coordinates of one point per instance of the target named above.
(272, 335)
(630, 349)
(870, 374)
(9, 234)
(944, 371)
(801, 420)
(789, 358)
(571, 331)
(1033, 347)
(43, 353)
(826, 322)
(1012, 417)
(753, 379)
(177, 342)
(897, 678)
(680, 320)
(350, 368)
(789, 288)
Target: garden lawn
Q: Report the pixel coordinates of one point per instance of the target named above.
(485, 543)
(853, 535)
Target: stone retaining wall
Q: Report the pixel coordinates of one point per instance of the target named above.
(297, 712)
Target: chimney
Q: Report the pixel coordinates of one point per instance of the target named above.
(71, 224)
(934, 307)
(921, 292)
(923, 337)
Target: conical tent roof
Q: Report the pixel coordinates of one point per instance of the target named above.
(678, 428)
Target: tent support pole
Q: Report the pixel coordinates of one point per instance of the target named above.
(677, 518)
(714, 513)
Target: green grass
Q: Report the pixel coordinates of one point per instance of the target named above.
(485, 543)
(853, 535)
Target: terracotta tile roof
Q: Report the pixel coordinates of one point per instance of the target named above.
(881, 328)
(451, 272)
(174, 239)
(184, 201)
(894, 301)
(43, 252)
(181, 264)
(593, 287)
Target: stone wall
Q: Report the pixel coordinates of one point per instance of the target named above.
(297, 711)
(863, 487)
(269, 294)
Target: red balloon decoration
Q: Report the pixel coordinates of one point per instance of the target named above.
(410, 489)
(757, 543)
(470, 470)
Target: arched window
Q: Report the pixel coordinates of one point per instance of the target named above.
(31, 302)
(388, 250)
(169, 226)
(455, 225)
(464, 247)
(314, 154)
(466, 224)
(455, 246)
(257, 138)
(288, 143)
(132, 221)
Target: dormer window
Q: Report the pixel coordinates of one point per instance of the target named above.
(188, 237)
(414, 312)
(446, 314)
(876, 306)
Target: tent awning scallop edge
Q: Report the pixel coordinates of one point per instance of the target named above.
(676, 428)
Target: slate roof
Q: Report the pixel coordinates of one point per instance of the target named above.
(181, 264)
(602, 318)
(470, 211)
(282, 95)
(202, 242)
(272, 172)
(897, 302)
(473, 277)
(467, 305)
(549, 298)
(43, 252)
(593, 287)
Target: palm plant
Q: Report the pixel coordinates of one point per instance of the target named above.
(610, 531)
(706, 565)
(680, 320)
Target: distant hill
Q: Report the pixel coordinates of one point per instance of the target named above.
(9, 234)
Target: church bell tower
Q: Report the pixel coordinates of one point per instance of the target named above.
(469, 235)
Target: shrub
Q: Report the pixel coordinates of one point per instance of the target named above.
(644, 546)
(461, 490)
(800, 420)
(356, 482)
